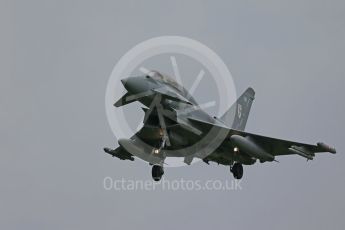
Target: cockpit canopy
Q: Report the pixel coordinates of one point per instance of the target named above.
(163, 78)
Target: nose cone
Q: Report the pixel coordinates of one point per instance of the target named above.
(135, 84)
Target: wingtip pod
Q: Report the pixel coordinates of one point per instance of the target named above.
(326, 148)
(121, 156)
(107, 150)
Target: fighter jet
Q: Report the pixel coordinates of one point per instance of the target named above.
(175, 125)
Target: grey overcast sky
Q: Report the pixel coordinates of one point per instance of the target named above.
(56, 58)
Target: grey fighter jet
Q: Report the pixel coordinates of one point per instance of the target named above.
(176, 126)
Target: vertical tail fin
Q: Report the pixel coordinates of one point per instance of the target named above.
(237, 115)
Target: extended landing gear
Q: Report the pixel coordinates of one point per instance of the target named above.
(237, 170)
(157, 172)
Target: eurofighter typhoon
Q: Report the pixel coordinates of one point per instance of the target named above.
(176, 126)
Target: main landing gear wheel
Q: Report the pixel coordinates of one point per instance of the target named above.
(237, 170)
(157, 172)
